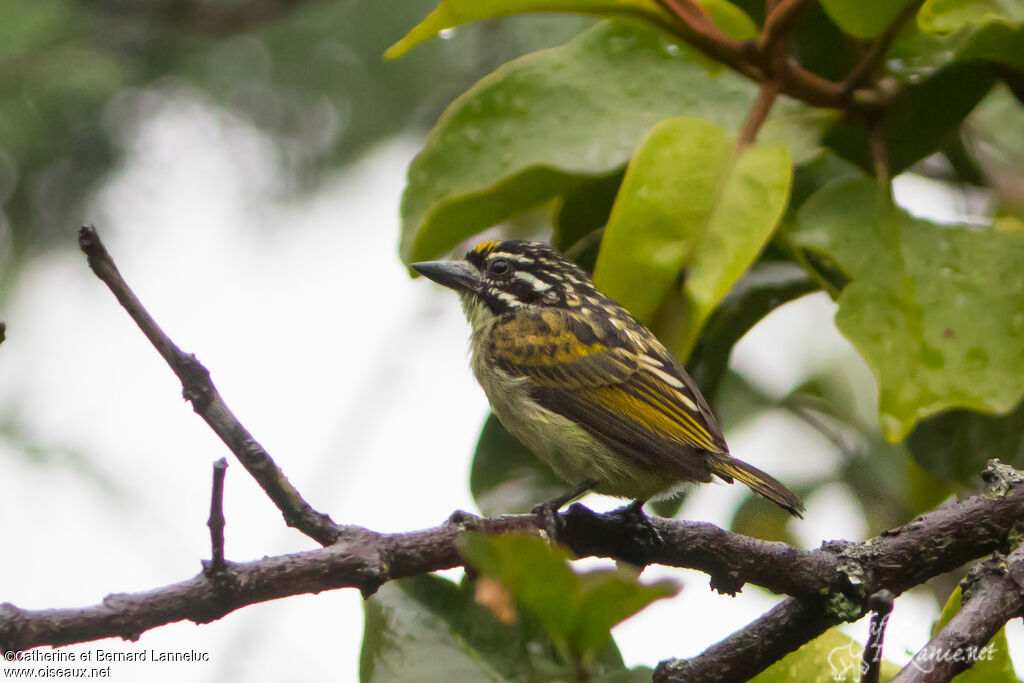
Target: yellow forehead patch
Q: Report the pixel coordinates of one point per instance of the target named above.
(485, 246)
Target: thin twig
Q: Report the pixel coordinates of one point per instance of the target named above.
(759, 111)
(690, 13)
(697, 29)
(692, 25)
(879, 154)
(872, 60)
(207, 402)
(880, 604)
(216, 521)
(779, 22)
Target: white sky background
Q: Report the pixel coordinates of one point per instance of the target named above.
(353, 376)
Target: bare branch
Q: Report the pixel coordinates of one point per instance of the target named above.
(759, 111)
(752, 649)
(779, 22)
(896, 560)
(216, 521)
(872, 60)
(207, 402)
(993, 593)
(831, 582)
(695, 27)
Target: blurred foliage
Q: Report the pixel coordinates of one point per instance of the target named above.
(74, 75)
(550, 121)
(529, 618)
(577, 610)
(936, 310)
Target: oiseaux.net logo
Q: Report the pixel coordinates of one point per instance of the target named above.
(848, 663)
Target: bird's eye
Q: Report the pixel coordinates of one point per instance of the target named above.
(499, 267)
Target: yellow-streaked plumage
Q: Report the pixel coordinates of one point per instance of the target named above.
(582, 384)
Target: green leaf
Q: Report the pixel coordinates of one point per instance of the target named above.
(936, 310)
(506, 477)
(832, 656)
(917, 54)
(427, 629)
(995, 42)
(584, 209)
(919, 118)
(823, 47)
(996, 122)
(988, 669)
(733, 21)
(864, 18)
(577, 610)
(944, 16)
(687, 201)
(545, 123)
(956, 445)
(452, 13)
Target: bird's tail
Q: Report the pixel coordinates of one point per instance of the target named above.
(759, 482)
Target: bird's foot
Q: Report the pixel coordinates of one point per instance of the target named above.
(553, 523)
(639, 528)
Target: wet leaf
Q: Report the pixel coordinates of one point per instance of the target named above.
(942, 16)
(957, 444)
(864, 18)
(427, 629)
(452, 13)
(689, 202)
(577, 610)
(543, 124)
(919, 119)
(936, 310)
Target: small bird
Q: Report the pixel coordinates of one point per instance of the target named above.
(582, 384)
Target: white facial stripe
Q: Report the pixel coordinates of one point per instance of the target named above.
(518, 258)
(510, 299)
(535, 282)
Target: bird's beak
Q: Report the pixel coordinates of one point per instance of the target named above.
(457, 275)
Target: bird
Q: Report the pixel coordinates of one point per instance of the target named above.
(582, 384)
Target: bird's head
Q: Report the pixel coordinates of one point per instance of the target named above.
(506, 275)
